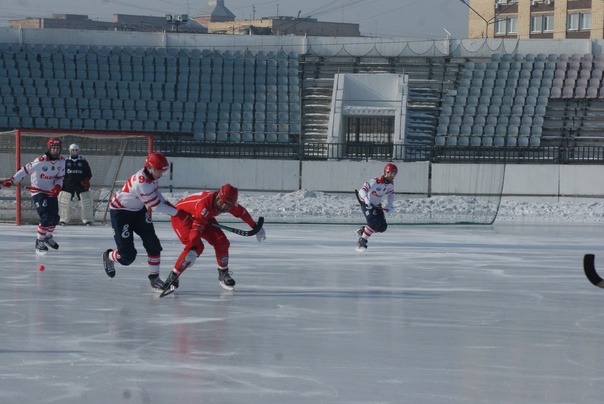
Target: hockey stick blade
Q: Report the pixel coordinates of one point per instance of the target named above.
(169, 287)
(168, 291)
(590, 270)
(246, 233)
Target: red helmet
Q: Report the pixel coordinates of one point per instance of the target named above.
(157, 161)
(228, 194)
(54, 141)
(391, 167)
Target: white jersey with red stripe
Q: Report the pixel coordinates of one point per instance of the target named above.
(141, 190)
(375, 189)
(44, 174)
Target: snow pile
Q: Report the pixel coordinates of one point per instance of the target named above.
(320, 207)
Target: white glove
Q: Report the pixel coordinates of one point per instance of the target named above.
(190, 258)
(367, 202)
(261, 235)
(389, 208)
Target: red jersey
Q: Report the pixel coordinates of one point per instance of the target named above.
(201, 207)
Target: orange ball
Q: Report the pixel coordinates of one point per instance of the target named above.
(41, 268)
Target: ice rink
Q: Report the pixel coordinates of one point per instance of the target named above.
(429, 314)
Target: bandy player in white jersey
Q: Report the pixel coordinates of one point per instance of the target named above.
(371, 194)
(130, 211)
(46, 176)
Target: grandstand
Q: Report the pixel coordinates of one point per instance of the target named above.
(224, 95)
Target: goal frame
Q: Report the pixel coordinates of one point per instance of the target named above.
(19, 133)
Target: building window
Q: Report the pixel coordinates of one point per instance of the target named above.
(585, 22)
(513, 25)
(542, 23)
(579, 22)
(500, 26)
(537, 23)
(573, 22)
(548, 23)
(504, 26)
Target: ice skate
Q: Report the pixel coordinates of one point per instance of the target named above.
(361, 245)
(108, 264)
(51, 242)
(360, 231)
(172, 280)
(41, 248)
(170, 285)
(156, 283)
(225, 279)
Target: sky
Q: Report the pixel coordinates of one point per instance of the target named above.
(389, 18)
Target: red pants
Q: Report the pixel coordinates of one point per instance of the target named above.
(212, 235)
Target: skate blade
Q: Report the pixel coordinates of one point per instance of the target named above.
(361, 249)
(226, 287)
(41, 252)
(167, 292)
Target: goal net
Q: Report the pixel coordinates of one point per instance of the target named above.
(104, 151)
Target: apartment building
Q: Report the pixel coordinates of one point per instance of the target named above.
(552, 19)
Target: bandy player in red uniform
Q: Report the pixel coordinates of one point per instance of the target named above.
(203, 207)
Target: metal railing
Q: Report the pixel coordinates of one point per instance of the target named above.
(383, 152)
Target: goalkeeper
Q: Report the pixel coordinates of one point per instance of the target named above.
(76, 183)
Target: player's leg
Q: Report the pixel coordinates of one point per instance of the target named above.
(65, 200)
(39, 201)
(376, 223)
(146, 231)
(86, 205)
(53, 212)
(123, 235)
(217, 239)
(192, 250)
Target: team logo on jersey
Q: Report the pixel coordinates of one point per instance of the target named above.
(224, 261)
(44, 168)
(148, 218)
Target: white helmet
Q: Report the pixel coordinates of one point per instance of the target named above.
(74, 151)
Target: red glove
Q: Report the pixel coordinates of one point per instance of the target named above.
(8, 182)
(182, 215)
(55, 190)
(86, 183)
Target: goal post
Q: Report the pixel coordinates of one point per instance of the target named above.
(104, 151)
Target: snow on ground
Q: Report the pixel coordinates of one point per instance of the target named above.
(308, 206)
(313, 206)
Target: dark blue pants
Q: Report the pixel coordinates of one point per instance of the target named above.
(375, 219)
(125, 224)
(47, 208)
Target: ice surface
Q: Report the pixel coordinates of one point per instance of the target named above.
(429, 314)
